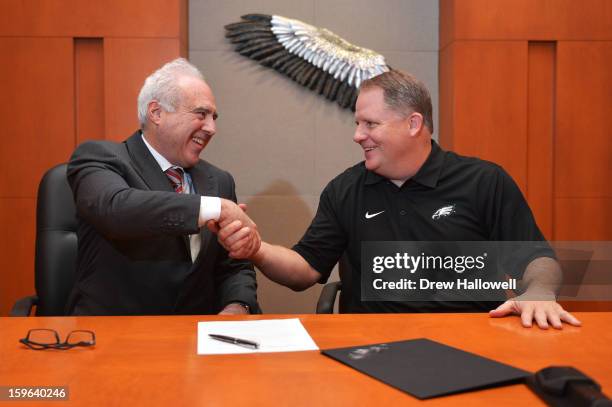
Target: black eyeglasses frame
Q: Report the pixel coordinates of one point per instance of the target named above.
(58, 343)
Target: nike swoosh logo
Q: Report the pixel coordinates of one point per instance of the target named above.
(368, 216)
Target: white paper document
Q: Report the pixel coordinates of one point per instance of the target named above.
(272, 335)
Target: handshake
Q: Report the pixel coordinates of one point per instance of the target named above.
(236, 232)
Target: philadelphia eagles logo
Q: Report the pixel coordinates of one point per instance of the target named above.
(444, 211)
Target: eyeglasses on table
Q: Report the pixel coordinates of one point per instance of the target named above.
(40, 339)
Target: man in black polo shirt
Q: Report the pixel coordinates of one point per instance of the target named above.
(408, 189)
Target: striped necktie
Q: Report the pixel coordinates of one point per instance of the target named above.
(177, 179)
(176, 175)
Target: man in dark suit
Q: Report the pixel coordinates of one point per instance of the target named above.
(142, 205)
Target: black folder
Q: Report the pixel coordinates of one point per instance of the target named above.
(426, 368)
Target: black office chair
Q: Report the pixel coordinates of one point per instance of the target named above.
(56, 247)
(325, 305)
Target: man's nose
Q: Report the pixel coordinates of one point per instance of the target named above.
(359, 135)
(209, 126)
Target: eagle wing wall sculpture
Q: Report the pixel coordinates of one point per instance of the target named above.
(313, 57)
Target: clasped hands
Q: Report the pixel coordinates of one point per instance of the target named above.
(236, 232)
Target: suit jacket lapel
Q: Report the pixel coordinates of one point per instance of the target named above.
(149, 169)
(145, 164)
(205, 184)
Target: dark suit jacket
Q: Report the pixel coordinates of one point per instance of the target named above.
(133, 256)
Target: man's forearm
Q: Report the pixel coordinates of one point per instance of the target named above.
(542, 275)
(285, 266)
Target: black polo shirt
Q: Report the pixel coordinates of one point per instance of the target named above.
(451, 198)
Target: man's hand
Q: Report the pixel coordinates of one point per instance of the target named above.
(236, 232)
(230, 211)
(242, 242)
(544, 311)
(234, 309)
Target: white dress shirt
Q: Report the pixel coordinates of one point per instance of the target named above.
(210, 206)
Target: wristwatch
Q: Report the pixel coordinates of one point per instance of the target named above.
(243, 305)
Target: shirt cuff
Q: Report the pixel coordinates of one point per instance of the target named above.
(210, 208)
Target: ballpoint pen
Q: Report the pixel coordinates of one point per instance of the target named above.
(236, 341)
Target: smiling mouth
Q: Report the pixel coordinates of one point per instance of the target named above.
(198, 140)
(367, 149)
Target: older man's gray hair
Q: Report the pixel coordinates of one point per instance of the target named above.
(162, 85)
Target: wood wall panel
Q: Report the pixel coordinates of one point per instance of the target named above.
(583, 147)
(17, 217)
(127, 62)
(89, 88)
(446, 25)
(446, 128)
(489, 94)
(568, 99)
(540, 132)
(71, 71)
(586, 306)
(541, 20)
(583, 219)
(108, 18)
(183, 27)
(37, 115)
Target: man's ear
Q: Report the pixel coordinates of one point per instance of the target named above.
(416, 123)
(154, 110)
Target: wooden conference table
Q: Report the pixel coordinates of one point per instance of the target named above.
(153, 360)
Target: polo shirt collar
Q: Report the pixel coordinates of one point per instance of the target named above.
(427, 175)
(373, 178)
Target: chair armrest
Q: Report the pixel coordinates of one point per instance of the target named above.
(325, 305)
(23, 306)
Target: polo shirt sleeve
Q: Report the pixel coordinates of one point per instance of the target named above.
(509, 219)
(325, 240)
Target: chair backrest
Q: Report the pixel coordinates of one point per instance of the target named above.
(346, 276)
(56, 242)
